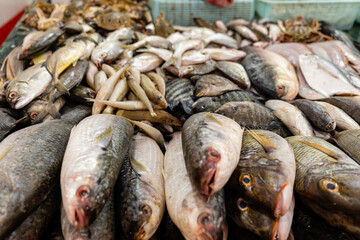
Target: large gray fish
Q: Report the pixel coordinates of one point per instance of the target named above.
(211, 104)
(92, 162)
(270, 73)
(349, 141)
(348, 105)
(236, 72)
(211, 145)
(213, 85)
(30, 166)
(254, 116)
(140, 189)
(328, 181)
(8, 121)
(27, 85)
(180, 91)
(196, 216)
(265, 174)
(34, 226)
(103, 226)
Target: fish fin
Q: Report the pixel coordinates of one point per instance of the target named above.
(172, 61)
(105, 136)
(50, 108)
(322, 149)
(59, 85)
(210, 116)
(21, 120)
(4, 152)
(140, 170)
(278, 211)
(265, 142)
(82, 37)
(275, 229)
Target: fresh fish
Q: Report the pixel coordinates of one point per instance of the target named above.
(154, 95)
(180, 91)
(274, 32)
(106, 52)
(103, 226)
(8, 121)
(99, 79)
(249, 216)
(195, 216)
(270, 73)
(161, 116)
(254, 116)
(113, 20)
(353, 57)
(327, 180)
(164, 54)
(265, 174)
(349, 141)
(154, 41)
(305, 90)
(213, 85)
(292, 117)
(330, 52)
(82, 93)
(28, 85)
(118, 94)
(34, 225)
(180, 48)
(222, 39)
(246, 32)
(177, 37)
(151, 131)
(348, 105)
(132, 105)
(197, 69)
(224, 54)
(290, 51)
(236, 72)
(146, 62)
(211, 104)
(163, 27)
(260, 28)
(159, 81)
(121, 34)
(194, 57)
(109, 70)
(14, 66)
(317, 114)
(211, 145)
(38, 109)
(91, 164)
(203, 23)
(325, 77)
(343, 121)
(140, 189)
(29, 167)
(237, 21)
(221, 25)
(90, 75)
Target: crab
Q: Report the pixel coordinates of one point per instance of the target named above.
(299, 30)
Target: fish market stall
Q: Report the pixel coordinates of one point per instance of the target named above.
(120, 120)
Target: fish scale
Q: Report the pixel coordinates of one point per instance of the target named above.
(178, 91)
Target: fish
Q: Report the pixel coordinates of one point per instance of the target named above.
(159, 81)
(29, 167)
(246, 32)
(197, 69)
(222, 39)
(265, 173)
(151, 131)
(38, 110)
(348, 141)
(253, 115)
(126, 105)
(106, 52)
(352, 57)
(35, 224)
(140, 189)
(8, 121)
(249, 216)
(113, 20)
(224, 54)
(327, 181)
(180, 48)
(121, 34)
(330, 52)
(28, 85)
(270, 73)
(154, 41)
(213, 85)
(103, 226)
(316, 114)
(291, 116)
(203, 23)
(348, 105)
(145, 62)
(109, 70)
(211, 145)
(180, 91)
(343, 121)
(221, 25)
(154, 95)
(119, 92)
(211, 104)
(163, 27)
(41, 58)
(237, 21)
(324, 76)
(195, 216)
(290, 51)
(99, 80)
(274, 32)
(164, 54)
(82, 93)
(235, 72)
(90, 75)
(100, 149)
(194, 57)
(161, 116)
(13, 66)
(305, 90)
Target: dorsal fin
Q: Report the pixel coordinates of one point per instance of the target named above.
(322, 149)
(265, 142)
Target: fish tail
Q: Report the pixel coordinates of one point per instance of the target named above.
(172, 61)
(265, 142)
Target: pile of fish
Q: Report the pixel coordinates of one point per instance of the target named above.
(215, 131)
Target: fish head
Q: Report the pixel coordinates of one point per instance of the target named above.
(204, 104)
(334, 190)
(98, 56)
(16, 95)
(185, 70)
(36, 108)
(202, 89)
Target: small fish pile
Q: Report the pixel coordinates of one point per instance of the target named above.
(244, 130)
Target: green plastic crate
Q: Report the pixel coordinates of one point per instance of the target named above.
(341, 14)
(182, 12)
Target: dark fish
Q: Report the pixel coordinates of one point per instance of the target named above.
(103, 226)
(34, 226)
(317, 114)
(82, 93)
(8, 121)
(211, 104)
(162, 26)
(30, 167)
(213, 85)
(348, 105)
(328, 181)
(349, 141)
(180, 91)
(113, 20)
(254, 116)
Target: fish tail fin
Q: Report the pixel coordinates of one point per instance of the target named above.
(265, 142)
(172, 61)
(322, 149)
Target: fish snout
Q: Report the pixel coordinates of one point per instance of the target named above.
(210, 230)
(81, 218)
(208, 171)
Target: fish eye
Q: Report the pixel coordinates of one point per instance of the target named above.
(146, 209)
(33, 115)
(83, 192)
(204, 218)
(245, 180)
(241, 204)
(189, 68)
(103, 54)
(329, 185)
(12, 95)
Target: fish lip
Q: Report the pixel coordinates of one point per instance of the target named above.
(98, 63)
(207, 181)
(80, 218)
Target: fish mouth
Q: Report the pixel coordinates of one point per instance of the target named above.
(81, 218)
(283, 200)
(207, 182)
(98, 63)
